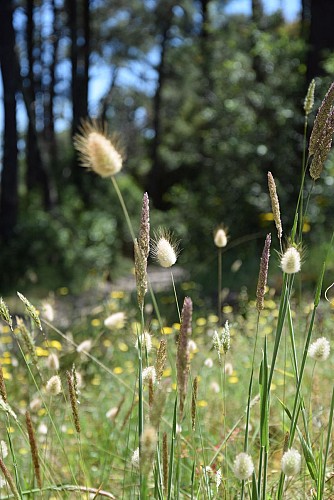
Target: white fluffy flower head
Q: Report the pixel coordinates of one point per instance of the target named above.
(149, 373)
(291, 261)
(98, 151)
(146, 342)
(85, 346)
(220, 237)
(53, 386)
(243, 466)
(320, 349)
(291, 462)
(165, 248)
(115, 321)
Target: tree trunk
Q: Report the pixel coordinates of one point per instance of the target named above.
(321, 34)
(156, 185)
(10, 76)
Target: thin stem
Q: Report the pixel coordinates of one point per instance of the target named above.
(220, 266)
(125, 211)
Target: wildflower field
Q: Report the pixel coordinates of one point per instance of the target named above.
(153, 395)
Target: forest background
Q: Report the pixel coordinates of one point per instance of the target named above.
(205, 102)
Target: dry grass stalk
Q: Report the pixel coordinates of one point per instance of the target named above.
(34, 449)
(275, 204)
(10, 480)
(263, 274)
(193, 403)
(182, 358)
(73, 401)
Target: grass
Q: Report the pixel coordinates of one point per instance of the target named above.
(201, 414)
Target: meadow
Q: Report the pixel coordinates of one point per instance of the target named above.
(152, 395)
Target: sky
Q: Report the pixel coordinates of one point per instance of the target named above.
(99, 83)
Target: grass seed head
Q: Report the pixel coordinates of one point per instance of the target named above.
(319, 350)
(97, 150)
(4, 313)
(320, 120)
(161, 359)
(263, 274)
(291, 462)
(165, 248)
(145, 342)
(182, 357)
(243, 466)
(53, 386)
(115, 321)
(275, 204)
(309, 99)
(220, 237)
(148, 443)
(291, 261)
(53, 362)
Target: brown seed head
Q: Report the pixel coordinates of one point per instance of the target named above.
(263, 274)
(183, 360)
(141, 273)
(194, 402)
(161, 359)
(34, 449)
(320, 120)
(323, 147)
(275, 204)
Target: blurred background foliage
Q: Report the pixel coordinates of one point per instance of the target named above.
(205, 101)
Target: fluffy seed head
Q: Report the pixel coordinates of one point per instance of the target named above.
(149, 373)
(243, 466)
(165, 249)
(145, 341)
(53, 386)
(220, 237)
(116, 321)
(320, 349)
(53, 362)
(148, 443)
(291, 462)
(208, 363)
(85, 346)
(97, 150)
(291, 261)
